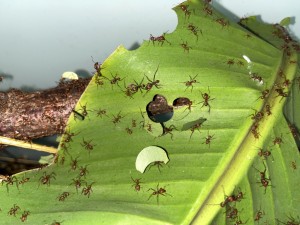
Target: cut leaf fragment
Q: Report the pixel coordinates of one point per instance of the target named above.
(150, 155)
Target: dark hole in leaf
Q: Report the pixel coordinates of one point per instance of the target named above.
(158, 109)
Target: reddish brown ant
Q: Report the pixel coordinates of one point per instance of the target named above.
(98, 81)
(277, 140)
(24, 180)
(231, 198)
(293, 130)
(190, 82)
(152, 82)
(208, 10)
(185, 47)
(294, 165)
(254, 130)
(193, 29)
(101, 112)
(157, 192)
(256, 77)
(232, 213)
(230, 62)
(87, 145)
(63, 196)
(87, 190)
(68, 136)
(74, 163)
(84, 110)
(259, 214)
(264, 94)
(263, 179)
(264, 153)
(238, 222)
(268, 110)
(168, 130)
(45, 179)
(23, 218)
(257, 116)
(117, 118)
(281, 93)
(133, 123)
(77, 183)
(208, 139)
(83, 171)
(97, 67)
(184, 8)
(136, 184)
(9, 180)
(161, 39)
(206, 98)
(115, 80)
(13, 210)
(196, 126)
(222, 22)
(158, 164)
(128, 130)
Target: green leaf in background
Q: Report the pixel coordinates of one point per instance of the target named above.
(211, 94)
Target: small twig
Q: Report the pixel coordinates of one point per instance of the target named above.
(29, 146)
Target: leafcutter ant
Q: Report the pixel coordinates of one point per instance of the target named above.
(185, 46)
(9, 180)
(128, 130)
(101, 112)
(259, 214)
(263, 179)
(136, 184)
(206, 98)
(158, 164)
(63, 196)
(77, 183)
(74, 163)
(230, 62)
(117, 118)
(184, 8)
(194, 30)
(196, 126)
(264, 94)
(268, 110)
(208, 139)
(157, 192)
(168, 130)
(278, 140)
(115, 80)
(294, 165)
(23, 218)
(264, 153)
(257, 116)
(190, 82)
(208, 10)
(83, 171)
(161, 39)
(152, 82)
(45, 179)
(87, 190)
(222, 22)
(87, 145)
(13, 210)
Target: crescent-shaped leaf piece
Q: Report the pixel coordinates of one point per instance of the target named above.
(149, 155)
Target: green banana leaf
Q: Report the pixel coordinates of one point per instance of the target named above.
(231, 157)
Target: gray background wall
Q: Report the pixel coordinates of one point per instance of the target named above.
(41, 39)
